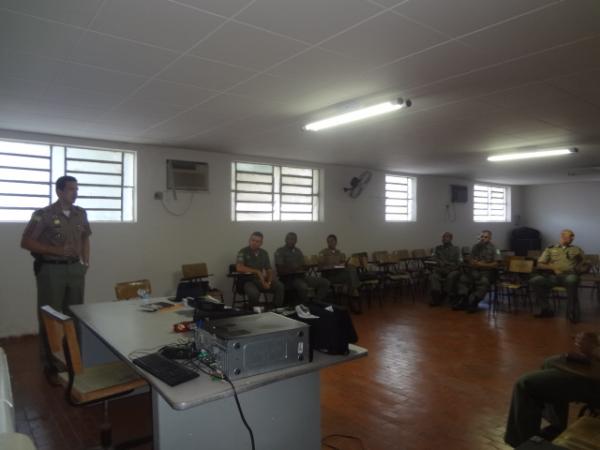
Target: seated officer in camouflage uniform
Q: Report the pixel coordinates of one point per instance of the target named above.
(562, 260)
(547, 392)
(332, 263)
(58, 237)
(446, 273)
(254, 260)
(476, 280)
(289, 261)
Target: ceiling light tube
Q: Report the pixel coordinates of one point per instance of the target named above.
(359, 114)
(532, 154)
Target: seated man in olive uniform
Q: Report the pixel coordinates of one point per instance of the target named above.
(332, 263)
(446, 273)
(547, 392)
(562, 263)
(289, 261)
(254, 260)
(476, 280)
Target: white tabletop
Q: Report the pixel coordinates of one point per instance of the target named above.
(127, 329)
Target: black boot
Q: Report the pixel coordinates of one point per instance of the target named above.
(436, 298)
(461, 304)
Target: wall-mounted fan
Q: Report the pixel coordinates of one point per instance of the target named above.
(357, 184)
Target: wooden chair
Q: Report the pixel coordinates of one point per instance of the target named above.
(200, 270)
(369, 280)
(591, 280)
(128, 290)
(88, 385)
(514, 282)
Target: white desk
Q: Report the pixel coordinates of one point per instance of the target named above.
(282, 407)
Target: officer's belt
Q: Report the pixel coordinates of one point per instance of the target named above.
(59, 261)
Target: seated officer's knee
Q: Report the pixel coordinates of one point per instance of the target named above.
(571, 280)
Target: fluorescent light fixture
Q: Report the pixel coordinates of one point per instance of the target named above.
(533, 154)
(359, 114)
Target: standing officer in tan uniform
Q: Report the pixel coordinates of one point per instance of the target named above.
(561, 261)
(58, 237)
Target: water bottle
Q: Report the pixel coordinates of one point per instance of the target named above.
(143, 294)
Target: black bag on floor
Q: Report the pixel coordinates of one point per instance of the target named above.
(332, 331)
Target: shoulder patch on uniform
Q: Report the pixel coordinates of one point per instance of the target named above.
(36, 217)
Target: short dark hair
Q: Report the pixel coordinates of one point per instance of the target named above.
(257, 234)
(332, 236)
(486, 231)
(291, 233)
(61, 183)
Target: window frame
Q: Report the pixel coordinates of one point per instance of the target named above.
(507, 192)
(60, 156)
(277, 187)
(393, 202)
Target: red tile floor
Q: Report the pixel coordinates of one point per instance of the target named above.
(434, 379)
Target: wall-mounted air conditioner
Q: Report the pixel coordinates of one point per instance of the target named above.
(187, 175)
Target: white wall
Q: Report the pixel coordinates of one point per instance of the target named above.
(551, 208)
(157, 245)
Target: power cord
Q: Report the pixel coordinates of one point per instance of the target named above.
(237, 401)
(345, 436)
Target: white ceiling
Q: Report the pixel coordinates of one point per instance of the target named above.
(243, 76)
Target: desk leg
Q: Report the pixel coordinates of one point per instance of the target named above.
(282, 415)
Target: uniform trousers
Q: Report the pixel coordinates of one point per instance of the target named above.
(542, 284)
(546, 393)
(253, 288)
(59, 286)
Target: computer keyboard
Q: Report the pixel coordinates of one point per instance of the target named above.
(164, 369)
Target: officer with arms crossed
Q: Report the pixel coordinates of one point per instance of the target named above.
(446, 273)
(478, 277)
(254, 260)
(58, 237)
(289, 261)
(562, 262)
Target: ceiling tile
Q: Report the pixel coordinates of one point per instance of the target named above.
(225, 8)
(307, 20)
(246, 46)
(458, 17)
(50, 109)
(383, 39)
(63, 95)
(584, 86)
(27, 67)
(186, 124)
(74, 12)
(319, 67)
(21, 88)
(19, 33)
(121, 55)
(172, 93)
(97, 79)
(446, 60)
(565, 22)
(155, 22)
(205, 74)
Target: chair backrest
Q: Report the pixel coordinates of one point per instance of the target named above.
(593, 261)
(196, 270)
(60, 329)
(360, 260)
(127, 290)
(311, 260)
(402, 254)
(331, 260)
(534, 253)
(419, 253)
(520, 265)
(381, 256)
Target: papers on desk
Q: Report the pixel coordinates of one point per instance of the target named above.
(159, 306)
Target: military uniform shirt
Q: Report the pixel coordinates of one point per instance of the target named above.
(485, 252)
(50, 226)
(447, 255)
(328, 257)
(258, 260)
(564, 258)
(290, 259)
